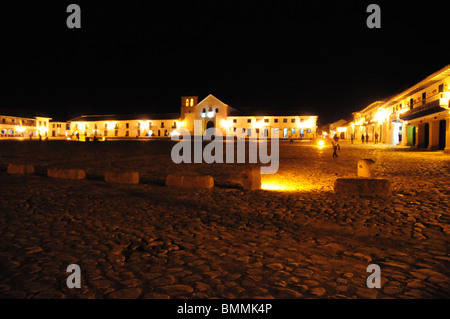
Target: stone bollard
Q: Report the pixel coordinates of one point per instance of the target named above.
(23, 169)
(362, 186)
(121, 177)
(251, 179)
(365, 168)
(66, 173)
(190, 181)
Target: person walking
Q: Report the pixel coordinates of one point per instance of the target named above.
(362, 138)
(335, 144)
(367, 138)
(376, 138)
(352, 137)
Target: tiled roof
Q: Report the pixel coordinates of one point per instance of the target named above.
(22, 113)
(124, 117)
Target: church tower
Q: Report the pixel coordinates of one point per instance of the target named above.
(188, 104)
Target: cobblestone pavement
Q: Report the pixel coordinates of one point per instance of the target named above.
(150, 241)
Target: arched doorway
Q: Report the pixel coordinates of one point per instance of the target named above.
(209, 124)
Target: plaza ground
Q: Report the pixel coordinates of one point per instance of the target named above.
(293, 239)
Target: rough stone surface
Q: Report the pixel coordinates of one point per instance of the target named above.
(297, 240)
(122, 177)
(22, 169)
(66, 173)
(190, 181)
(251, 179)
(366, 168)
(362, 186)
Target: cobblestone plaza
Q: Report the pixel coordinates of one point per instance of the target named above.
(295, 238)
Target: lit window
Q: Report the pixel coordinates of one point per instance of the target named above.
(187, 102)
(192, 102)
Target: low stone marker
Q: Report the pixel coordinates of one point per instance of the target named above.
(251, 179)
(66, 173)
(23, 169)
(190, 181)
(365, 168)
(362, 186)
(121, 177)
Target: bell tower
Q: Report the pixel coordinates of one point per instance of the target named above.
(188, 104)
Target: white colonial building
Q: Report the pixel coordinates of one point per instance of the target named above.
(16, 123)
(210, 112)
(418, 117)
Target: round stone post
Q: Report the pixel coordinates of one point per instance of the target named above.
(365, 168)
(251, 179)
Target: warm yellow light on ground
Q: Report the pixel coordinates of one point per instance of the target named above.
(320, 144)
(280, 184)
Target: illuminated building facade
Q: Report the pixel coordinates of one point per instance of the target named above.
(14, 123)
(418, 117)
(210, 112)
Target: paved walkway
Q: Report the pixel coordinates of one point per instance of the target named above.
(149, 241)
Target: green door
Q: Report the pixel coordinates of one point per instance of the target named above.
(411, 135)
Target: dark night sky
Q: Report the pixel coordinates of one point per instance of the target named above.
(140, 57)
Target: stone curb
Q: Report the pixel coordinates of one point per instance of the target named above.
(362, 186)
(23, 169)
(121, 177)
(190, 181)
(66, 173)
